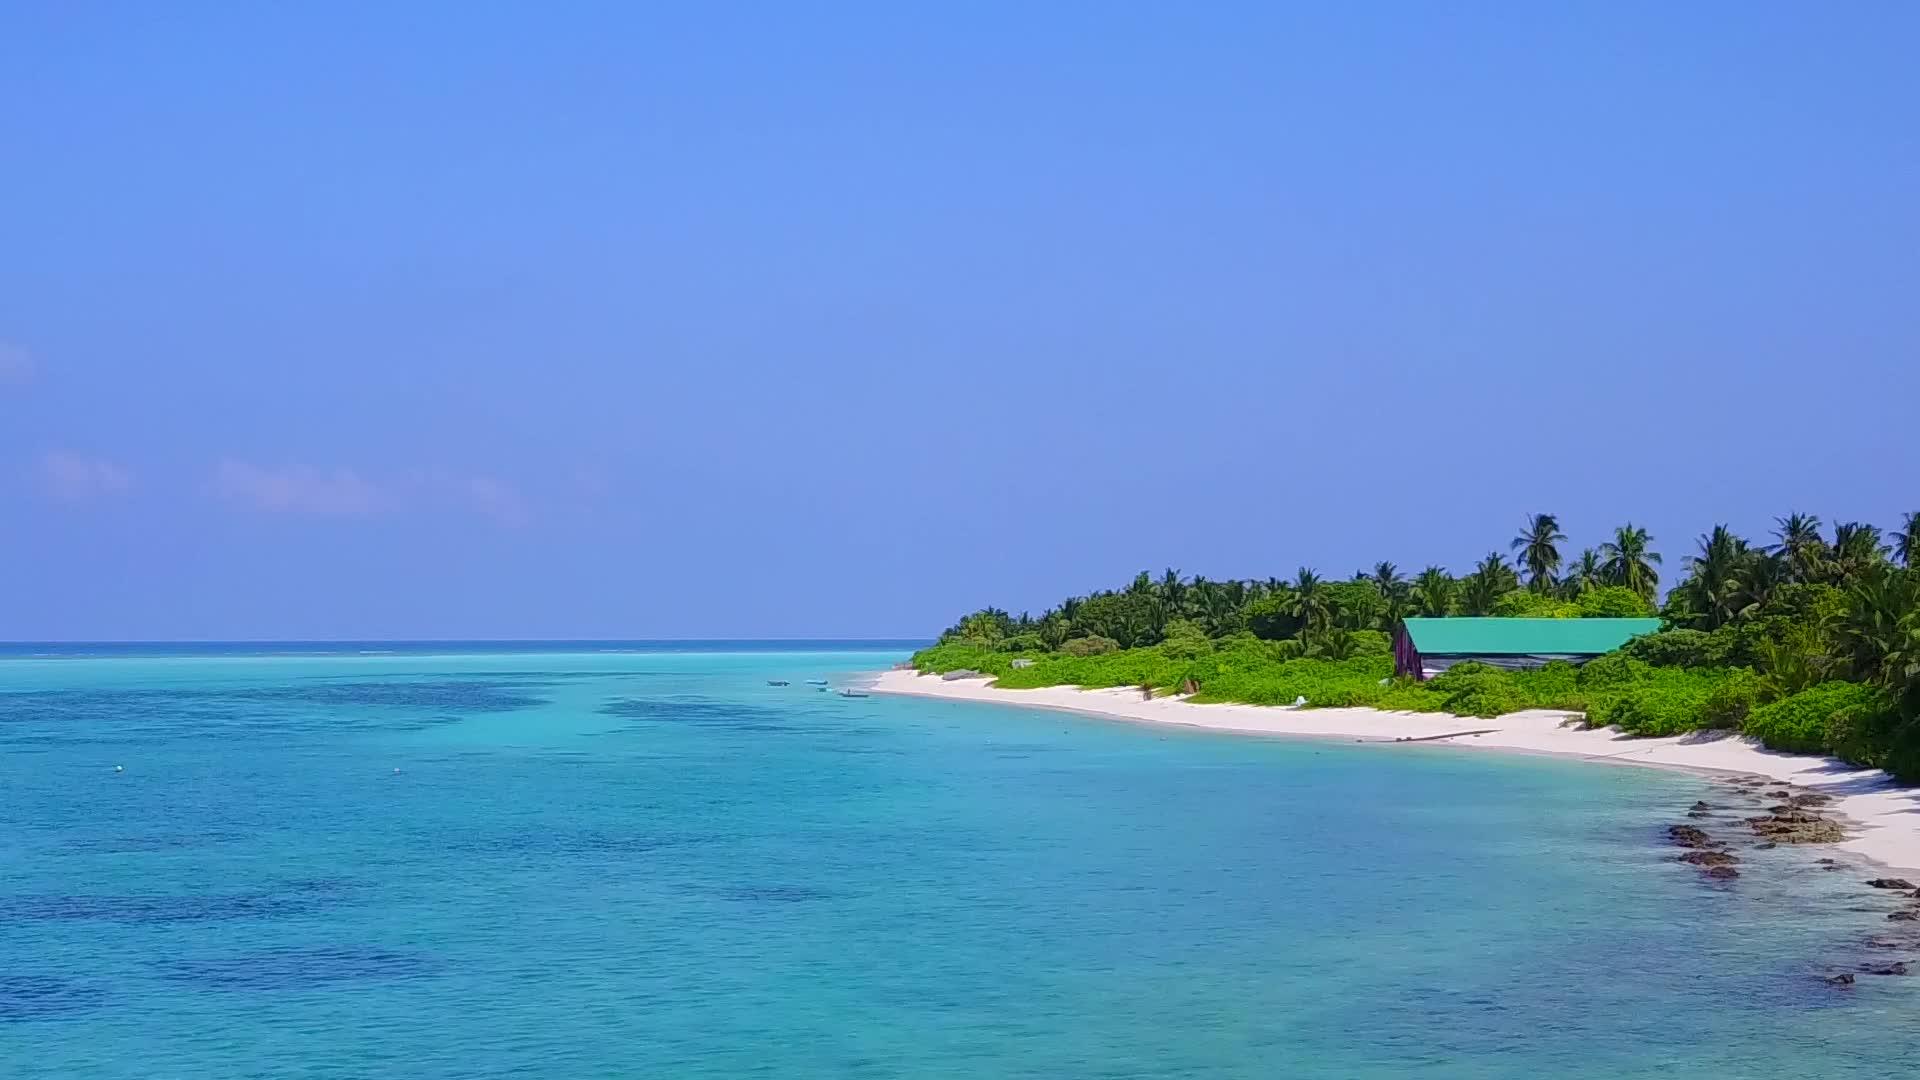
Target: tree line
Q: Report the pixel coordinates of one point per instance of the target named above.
(1808, 639)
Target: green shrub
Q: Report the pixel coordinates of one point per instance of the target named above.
(1830, 716)
(1651, 709)
(955, 655)
(1472, 689)
(1555, 686)
(1728, 703)
(1613, 669)
(1372, 643)
(1487, 698)
(1613, 602)
(1354, 605)
(1089, 646)
(1024, 643)
(1680, 648)
(1531, 605)
(1184, 640)
(1269, 618)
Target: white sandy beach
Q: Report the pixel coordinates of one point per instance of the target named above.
(1883, 819)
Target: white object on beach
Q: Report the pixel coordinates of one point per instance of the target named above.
(1299, 701)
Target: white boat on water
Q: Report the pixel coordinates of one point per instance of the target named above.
(850, 692)
(816, 682)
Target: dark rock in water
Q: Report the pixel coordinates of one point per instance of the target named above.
(1898, 967)
(1890, 883)
(1698, 857)
(1768, 846)
(1788, 814)
(1700, 806)
(1688, 836)
(1721, 872)
(1905, 915)
(1842, 979)
(1797, 827)
(1698, 814)
(1779, 794)
(1812, 798)
(1825, 862)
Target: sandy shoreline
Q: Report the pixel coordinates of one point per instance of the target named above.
(1883, 819)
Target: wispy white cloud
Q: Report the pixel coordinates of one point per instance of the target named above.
(299, 489)
(16, 364)
(341, 492)
(74, 478)
(494, 499)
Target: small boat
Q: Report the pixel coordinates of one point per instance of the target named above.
(777, 682)
(850, 692)
(816, 682)
(824, 689)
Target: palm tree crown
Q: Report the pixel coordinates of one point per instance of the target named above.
(1629, 560)
(1433, 592)
(1800, 543)
(1539, 550)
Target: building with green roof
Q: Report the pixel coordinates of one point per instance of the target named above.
(1426, 647)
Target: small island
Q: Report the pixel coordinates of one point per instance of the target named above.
(1765, 659)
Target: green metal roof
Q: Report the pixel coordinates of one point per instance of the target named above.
(1524, 637)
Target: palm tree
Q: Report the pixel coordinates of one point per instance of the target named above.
(1714, 585)
(1386, 577)
(1308, 602)
(1857, 550)
(1907, 544)
(1540, 553)
(1490, 580)
(1173, 591)
(1142, 584)
(1801, 544)
(1630, 560)
(1433, 592)
(1881, 632)
(1586, 574)
(1762, 574)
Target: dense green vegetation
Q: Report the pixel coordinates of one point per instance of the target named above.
(1810, 643)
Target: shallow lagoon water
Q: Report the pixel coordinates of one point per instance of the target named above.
(548, 863)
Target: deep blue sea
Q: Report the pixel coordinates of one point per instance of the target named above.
(641, 860)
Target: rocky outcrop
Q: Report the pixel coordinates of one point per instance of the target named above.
(1898, 967)
(1720, 872)
(1842, 979)
(1704, 857)
(1789, 825)
(1889, 883)
(1689, 836)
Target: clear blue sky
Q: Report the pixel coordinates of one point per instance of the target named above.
(493, 320)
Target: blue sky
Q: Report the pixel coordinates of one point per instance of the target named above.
(614, 320)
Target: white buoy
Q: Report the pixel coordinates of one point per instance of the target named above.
(119, 768)
(396, 772)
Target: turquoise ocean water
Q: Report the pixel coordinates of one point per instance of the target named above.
(570, 862)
